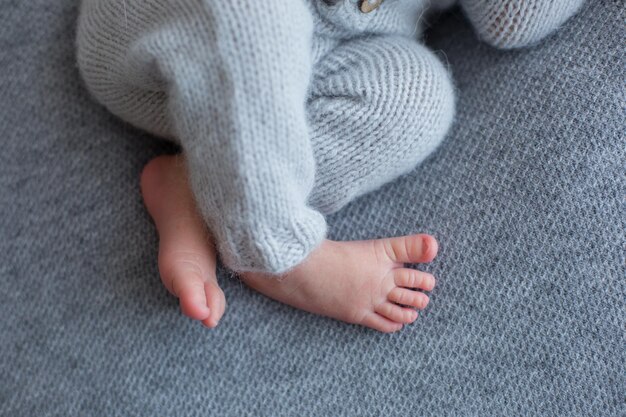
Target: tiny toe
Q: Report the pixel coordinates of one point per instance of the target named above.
(380, 323)
(193, 301)
(407, 297)
(411, 249)
(397, 313)
(216, 301)
(411, 278)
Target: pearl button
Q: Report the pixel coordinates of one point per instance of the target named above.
(370, 5)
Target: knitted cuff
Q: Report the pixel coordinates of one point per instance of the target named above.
(261, 247)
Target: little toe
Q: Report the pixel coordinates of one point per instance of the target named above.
(381, 323)
(217, 303)
(411, 249)
(397, 313)
(411, 278)
(189, 288)
(407, 297)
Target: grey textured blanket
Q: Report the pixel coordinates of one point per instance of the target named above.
(526, 197)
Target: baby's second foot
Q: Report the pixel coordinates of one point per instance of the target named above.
(362, 282)
(187, 259)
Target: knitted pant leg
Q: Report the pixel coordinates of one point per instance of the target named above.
(229, 80)
(510, 24)
(377, 107)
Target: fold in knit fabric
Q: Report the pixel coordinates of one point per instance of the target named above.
(286, 110)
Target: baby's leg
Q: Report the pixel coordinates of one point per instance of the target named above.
(378, 107)
(510, 24)
(187, 258)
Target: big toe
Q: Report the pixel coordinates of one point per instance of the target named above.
(411, 249)
(190, 290)
(216, 301)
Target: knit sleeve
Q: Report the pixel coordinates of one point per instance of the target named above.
(234, 77)
(509, 24)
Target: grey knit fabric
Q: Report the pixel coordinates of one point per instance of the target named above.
(526, 196)
(286, 110)
(280, 121)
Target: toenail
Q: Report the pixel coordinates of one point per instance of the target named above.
(425, 244)
(432, 281)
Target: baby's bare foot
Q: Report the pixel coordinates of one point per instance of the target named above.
(187, 259)
(362, 282)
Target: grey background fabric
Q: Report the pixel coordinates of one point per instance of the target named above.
(526, 196)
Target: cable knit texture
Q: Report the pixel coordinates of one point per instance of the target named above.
(526, 197)
(287, 110)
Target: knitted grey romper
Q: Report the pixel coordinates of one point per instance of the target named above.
(286, 109)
